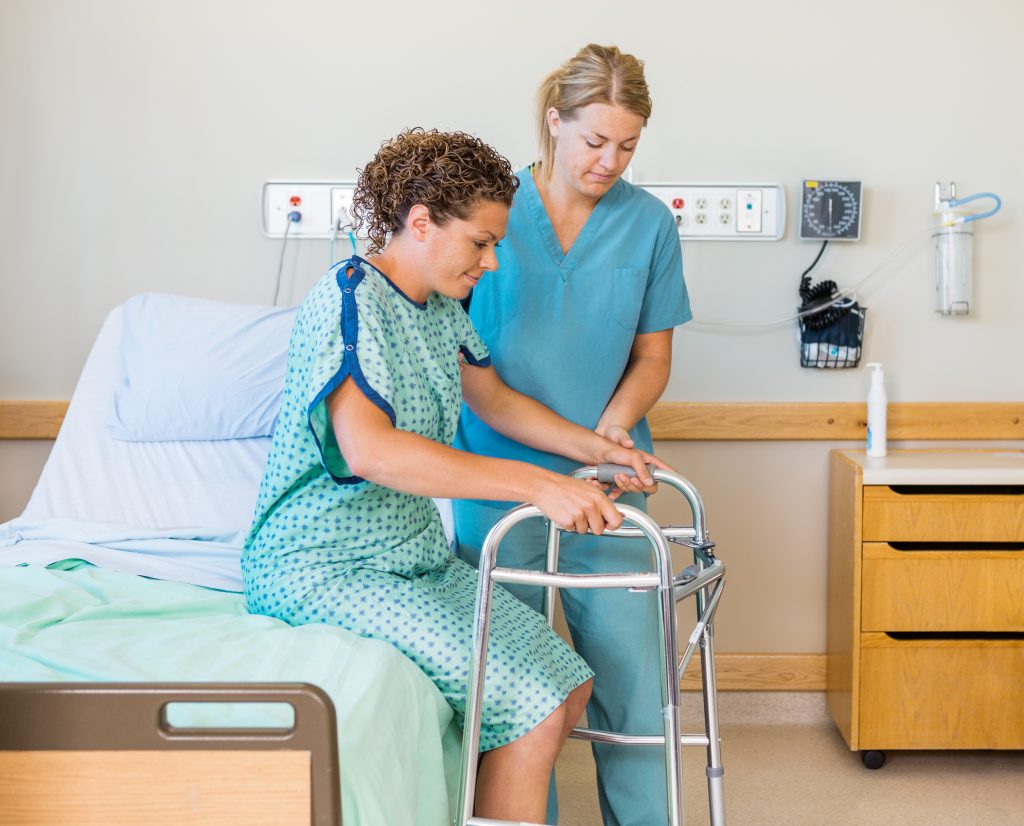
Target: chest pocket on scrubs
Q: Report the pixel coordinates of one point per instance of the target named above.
(630, 283)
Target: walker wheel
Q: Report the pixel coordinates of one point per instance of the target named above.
(873, 759)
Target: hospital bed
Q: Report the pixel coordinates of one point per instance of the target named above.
(121, 580)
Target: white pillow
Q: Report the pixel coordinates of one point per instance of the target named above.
(199, 370)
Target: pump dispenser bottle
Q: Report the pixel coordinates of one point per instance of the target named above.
(877, 412)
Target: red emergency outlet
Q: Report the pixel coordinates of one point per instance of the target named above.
(295, 200)
(678, 203)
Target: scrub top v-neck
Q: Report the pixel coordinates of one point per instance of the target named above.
(567, 260)
(560, 325)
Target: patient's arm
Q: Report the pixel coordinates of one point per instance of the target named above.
(528, 421)
(376, 451)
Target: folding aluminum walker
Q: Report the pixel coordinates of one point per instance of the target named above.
(704, 579)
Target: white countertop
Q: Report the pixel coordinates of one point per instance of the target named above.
(941, 467)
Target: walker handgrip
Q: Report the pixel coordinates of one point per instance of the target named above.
(606, 473)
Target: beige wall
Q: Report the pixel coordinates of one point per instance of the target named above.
(20, 465)
(135, 136)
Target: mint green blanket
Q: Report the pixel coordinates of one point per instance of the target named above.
(398, 748)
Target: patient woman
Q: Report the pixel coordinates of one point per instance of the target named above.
(345, 531)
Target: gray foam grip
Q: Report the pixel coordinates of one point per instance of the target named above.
(606, 473)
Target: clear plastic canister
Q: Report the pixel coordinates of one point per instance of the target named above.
(953, 266)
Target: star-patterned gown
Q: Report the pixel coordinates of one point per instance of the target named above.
(329, 547)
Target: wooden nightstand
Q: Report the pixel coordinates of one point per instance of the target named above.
(926, 600)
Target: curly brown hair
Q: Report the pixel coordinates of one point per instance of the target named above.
(447, 172)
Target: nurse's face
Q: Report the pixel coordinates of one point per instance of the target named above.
(594, 146)
(461, 251)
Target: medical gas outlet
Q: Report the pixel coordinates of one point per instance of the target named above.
(323, 208)
(724, 212)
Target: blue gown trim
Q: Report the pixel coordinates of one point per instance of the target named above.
(350, 360)
(356, 262)
(472, 360)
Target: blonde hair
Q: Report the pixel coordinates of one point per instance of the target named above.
(597, 74)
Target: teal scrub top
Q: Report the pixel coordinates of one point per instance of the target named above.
(560, 327)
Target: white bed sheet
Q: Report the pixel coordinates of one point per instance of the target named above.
(175, 510)
(94, 477)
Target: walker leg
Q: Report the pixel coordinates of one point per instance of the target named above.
(670, 702)
(475, 691)
(550, 591)
(715, 771)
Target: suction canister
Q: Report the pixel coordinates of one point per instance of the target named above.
(954, 241)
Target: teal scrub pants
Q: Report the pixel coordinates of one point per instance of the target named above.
(616, 632)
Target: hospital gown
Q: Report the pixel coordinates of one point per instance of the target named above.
(329, 547)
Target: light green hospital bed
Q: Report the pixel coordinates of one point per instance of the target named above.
(87, 578)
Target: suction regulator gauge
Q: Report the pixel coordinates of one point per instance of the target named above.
(830, 210)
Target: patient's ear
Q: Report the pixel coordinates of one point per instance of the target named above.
(418, 222)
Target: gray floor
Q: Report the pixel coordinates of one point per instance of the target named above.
(786, 764)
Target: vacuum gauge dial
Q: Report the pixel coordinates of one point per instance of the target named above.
(830, 210)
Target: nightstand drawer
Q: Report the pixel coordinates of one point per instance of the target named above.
(937, 694)
(942, 590)
(916, 514)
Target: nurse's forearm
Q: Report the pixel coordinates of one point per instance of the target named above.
(642, 385)
(643, 382)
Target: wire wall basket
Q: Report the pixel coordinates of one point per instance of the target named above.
(833, 339)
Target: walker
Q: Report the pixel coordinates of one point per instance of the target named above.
(704, 580)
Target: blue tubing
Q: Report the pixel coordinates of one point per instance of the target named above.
(977, 217)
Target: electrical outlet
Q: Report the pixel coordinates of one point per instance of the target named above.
(724, 212)
(320, 204)
(341, 208)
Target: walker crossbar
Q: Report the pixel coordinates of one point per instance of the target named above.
(596, 736)
(703, 580)
(637, 582)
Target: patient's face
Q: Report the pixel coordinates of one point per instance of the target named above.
(461, 251)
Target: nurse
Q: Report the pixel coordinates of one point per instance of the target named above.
(345, 531)
(580, 316)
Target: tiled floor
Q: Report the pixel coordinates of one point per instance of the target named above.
(786, 764)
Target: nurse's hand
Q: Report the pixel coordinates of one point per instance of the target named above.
(575, 505)
(641, 480)
(618, 434)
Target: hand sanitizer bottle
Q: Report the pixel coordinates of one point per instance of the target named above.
(876, 412)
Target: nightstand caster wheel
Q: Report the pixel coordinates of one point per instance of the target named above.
(873, 759)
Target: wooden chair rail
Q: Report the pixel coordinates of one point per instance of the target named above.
(711, 421)
(31, 419)
(833, 421)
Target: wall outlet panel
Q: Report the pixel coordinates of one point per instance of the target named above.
(724, 212)
(323, 205)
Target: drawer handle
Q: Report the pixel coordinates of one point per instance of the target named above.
(981, 636)
(956, 546)
(958, 490)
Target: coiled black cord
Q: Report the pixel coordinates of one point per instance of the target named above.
(820, 294)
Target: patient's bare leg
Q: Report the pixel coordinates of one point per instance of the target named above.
(512, 783)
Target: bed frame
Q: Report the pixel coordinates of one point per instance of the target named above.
(106, 753)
